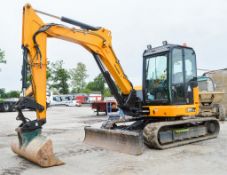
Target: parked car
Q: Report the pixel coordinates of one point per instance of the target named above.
(67, 100)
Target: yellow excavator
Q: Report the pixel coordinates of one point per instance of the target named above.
(161, 114)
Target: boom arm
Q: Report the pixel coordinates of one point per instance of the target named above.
(96, 40)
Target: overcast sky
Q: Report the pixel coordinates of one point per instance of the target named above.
(134, 24)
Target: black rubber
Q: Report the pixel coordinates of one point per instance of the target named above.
(151, 132)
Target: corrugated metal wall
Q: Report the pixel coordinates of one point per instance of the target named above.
(220, 79)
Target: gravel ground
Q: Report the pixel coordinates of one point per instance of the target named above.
(65, 127)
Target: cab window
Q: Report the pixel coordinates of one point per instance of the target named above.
(178, 86)
(156, 79)
(190, 64)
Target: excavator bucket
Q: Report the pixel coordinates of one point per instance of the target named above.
(123, 141)
(39, 150)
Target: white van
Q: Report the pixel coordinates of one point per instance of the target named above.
(67, 100)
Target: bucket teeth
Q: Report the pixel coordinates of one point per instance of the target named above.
(39, 150)
(129, 142)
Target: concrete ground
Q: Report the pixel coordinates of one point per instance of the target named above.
(65, 127)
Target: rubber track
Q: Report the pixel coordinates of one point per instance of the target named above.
(152, 141)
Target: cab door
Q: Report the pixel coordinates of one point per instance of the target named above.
(183, 75)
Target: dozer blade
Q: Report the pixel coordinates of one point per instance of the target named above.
(39, 150)
(129, 142)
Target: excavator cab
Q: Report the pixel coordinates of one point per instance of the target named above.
(169, 75)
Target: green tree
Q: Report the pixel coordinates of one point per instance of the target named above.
(85, 90)
(107, 92)
(10, 94)
(2, 56)
(98, 84)
(2, 93)
(59, 77)
(48, 74)
(13, 94)
(78, 77)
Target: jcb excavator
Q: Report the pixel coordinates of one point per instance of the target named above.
(163, 114)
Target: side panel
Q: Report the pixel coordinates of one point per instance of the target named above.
(171, 111)
(176, 110)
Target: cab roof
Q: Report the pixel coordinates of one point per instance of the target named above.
(161, 49)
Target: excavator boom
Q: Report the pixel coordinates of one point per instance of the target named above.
(97, 40)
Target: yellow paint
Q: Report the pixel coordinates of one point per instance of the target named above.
(99, 42)
(29, 91)
(137, 88)
(175, 110)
